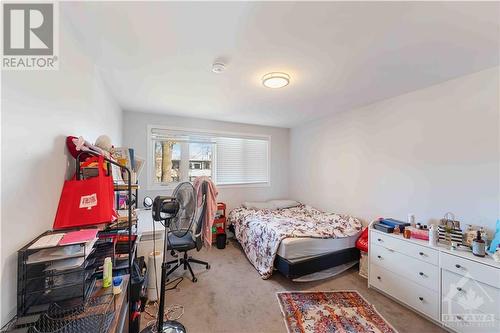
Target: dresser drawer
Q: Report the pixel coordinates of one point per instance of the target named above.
(418, 271)
(421, 299)
(398, 243)
(470, 294)
(477, 271)
(465, 320)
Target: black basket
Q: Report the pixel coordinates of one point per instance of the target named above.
(95, 315)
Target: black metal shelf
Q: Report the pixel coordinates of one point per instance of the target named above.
(40, 289)
(127, 188)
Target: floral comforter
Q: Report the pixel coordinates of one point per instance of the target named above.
(260, 232)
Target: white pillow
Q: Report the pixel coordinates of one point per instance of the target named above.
(258, 205)
(283, 203)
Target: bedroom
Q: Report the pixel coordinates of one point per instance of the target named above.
(386, 109)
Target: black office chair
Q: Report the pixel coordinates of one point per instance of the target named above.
(184, 241)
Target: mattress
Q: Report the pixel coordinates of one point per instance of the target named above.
(304, 247)
(261, 233)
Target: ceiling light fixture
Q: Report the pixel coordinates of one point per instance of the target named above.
(218, 67)
(275, 80)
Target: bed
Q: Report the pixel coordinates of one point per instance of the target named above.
(296, 240)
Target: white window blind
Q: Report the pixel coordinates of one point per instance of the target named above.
(242, 161)
(228, 158)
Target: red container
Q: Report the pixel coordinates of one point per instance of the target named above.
(419, 233)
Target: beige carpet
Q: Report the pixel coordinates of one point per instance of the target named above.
(232, 298)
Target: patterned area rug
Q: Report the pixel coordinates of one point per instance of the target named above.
(332, 312)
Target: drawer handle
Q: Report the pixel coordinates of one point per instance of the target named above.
(380, 257)
(421, 298)
(421, 253)
(379, 239)
(459, 318)
(458, 266)
(460, 289)
(379, 278)
(421, 273)
(390, 250)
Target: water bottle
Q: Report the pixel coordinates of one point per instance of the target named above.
(107, 273)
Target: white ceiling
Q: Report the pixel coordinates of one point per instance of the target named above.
(157, 56)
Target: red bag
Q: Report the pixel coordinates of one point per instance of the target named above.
(362, 242)
(87, 201)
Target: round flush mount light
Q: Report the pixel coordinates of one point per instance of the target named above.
(218, 67)
(275, 80)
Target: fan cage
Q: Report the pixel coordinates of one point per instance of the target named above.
(183, 222)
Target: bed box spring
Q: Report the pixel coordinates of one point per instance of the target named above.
(295, 269)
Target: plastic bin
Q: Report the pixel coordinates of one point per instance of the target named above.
(363, 264)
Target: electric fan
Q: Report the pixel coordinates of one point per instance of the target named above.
(176, 213)
(182, 222)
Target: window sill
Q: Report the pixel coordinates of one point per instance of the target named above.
(249, 185)
(172, 186)
(168, 187)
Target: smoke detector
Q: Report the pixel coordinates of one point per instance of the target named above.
(218, 67)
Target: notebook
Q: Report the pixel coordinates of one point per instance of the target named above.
(80, 236)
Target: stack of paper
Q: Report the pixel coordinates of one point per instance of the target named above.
(62, 253)
(65, 264)
(47, 241)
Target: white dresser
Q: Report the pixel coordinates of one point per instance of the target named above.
(453, 288)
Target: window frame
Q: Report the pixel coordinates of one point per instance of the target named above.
(153, 186)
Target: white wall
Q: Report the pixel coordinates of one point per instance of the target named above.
(135, 136)
(426, 152)
(39, 109)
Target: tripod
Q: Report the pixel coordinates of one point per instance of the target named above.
(168, 206)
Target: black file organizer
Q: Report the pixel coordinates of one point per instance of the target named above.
(38, 286)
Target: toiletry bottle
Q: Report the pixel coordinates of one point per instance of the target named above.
(484, 236)
(107, 273)
(478, 246)
(117, 285)
(433, 235)
(496, 255)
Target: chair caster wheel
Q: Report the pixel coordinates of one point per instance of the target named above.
(195, 280)
(208, 266)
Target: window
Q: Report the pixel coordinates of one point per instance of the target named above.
(242, 161)
(179, 155)
(167, 157)
(181, 160)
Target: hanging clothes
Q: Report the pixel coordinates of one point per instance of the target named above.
(211, 200)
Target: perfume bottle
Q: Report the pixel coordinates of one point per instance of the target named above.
(484, 235)
(469, 235)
